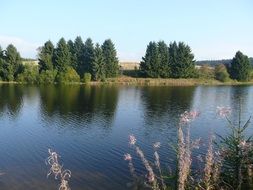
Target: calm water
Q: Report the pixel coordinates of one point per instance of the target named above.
(89, 128)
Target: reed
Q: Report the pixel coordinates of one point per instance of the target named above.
(57, 170)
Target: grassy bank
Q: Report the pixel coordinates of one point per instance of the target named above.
(125, 80)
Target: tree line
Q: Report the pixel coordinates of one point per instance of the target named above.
(75, 61)
(69, 61)
(176, 60)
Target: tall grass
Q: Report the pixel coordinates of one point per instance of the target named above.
(228, 162)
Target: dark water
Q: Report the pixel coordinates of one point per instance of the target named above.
(89, 128)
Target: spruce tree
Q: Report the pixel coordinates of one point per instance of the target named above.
(87, 55)
(151, 62)
(73, 59)
(110, 57)
(98, 64)
(163, 64)
(240, 67)
(78, 54)
(46, 53)
(62, 56)
(181, 60)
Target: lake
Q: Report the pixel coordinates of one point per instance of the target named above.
(89, 127)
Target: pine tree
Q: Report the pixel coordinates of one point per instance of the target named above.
(46, 53)
(151, 62)
(73, 59)
(181, 60)
(163, 64)
(98, 64)
(240, 67)
(62, 56)
(88, 54)
(110, 57)
(78, 49)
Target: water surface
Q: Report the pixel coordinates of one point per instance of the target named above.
(89, 127)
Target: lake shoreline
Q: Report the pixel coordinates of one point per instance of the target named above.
(152, 82)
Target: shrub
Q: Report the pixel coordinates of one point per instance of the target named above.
(221, 73)
(69, 76)
(47, 77)
(206, 72)
(29, 74)
(86, 77)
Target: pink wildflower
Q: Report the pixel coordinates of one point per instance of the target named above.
(127, 157)
(223, 111)
(187, 117)
(132, 139)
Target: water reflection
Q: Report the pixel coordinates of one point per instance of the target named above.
(79, 102)
(11, 98)
(166, 102)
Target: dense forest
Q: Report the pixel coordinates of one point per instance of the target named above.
(78, 61)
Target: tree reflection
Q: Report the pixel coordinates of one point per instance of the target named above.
(11, 98)
(79, 102)
(166, 102)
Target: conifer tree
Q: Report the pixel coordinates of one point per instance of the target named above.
(98, 64)
(110, 57)
(46, 53)
(87, 55)
(78, 54)
(181, 60)
(62, 56)
(240, 67)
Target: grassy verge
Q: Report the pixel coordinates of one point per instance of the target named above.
(125, 80)
(167, 82)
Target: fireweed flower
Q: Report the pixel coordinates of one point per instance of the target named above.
(187, 117)
(127, 157)
(223, 111)
(132, 140)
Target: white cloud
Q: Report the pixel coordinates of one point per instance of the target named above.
(27, 49)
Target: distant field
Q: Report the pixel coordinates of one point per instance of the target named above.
(129, 65)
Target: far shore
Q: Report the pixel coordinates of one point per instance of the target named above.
(122, 80)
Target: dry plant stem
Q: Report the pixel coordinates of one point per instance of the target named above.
(208, 170)
(184, 158)
(157, 163)
(57, 170)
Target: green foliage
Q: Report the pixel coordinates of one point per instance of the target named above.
(240, 67)
(73, 58)
(46, 53)
(70, 75)
(62, 56)
(10, 62)
(181, 60)
(175, 61)
(77, 55)
(88, 54)
(163, 57)
(29, 74)
(98, 64)
(221, 73)
(237, 155)
(47, 77)
(110, 58)
(86, 77)
(155, 64)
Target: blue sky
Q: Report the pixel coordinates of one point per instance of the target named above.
(214, 29)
